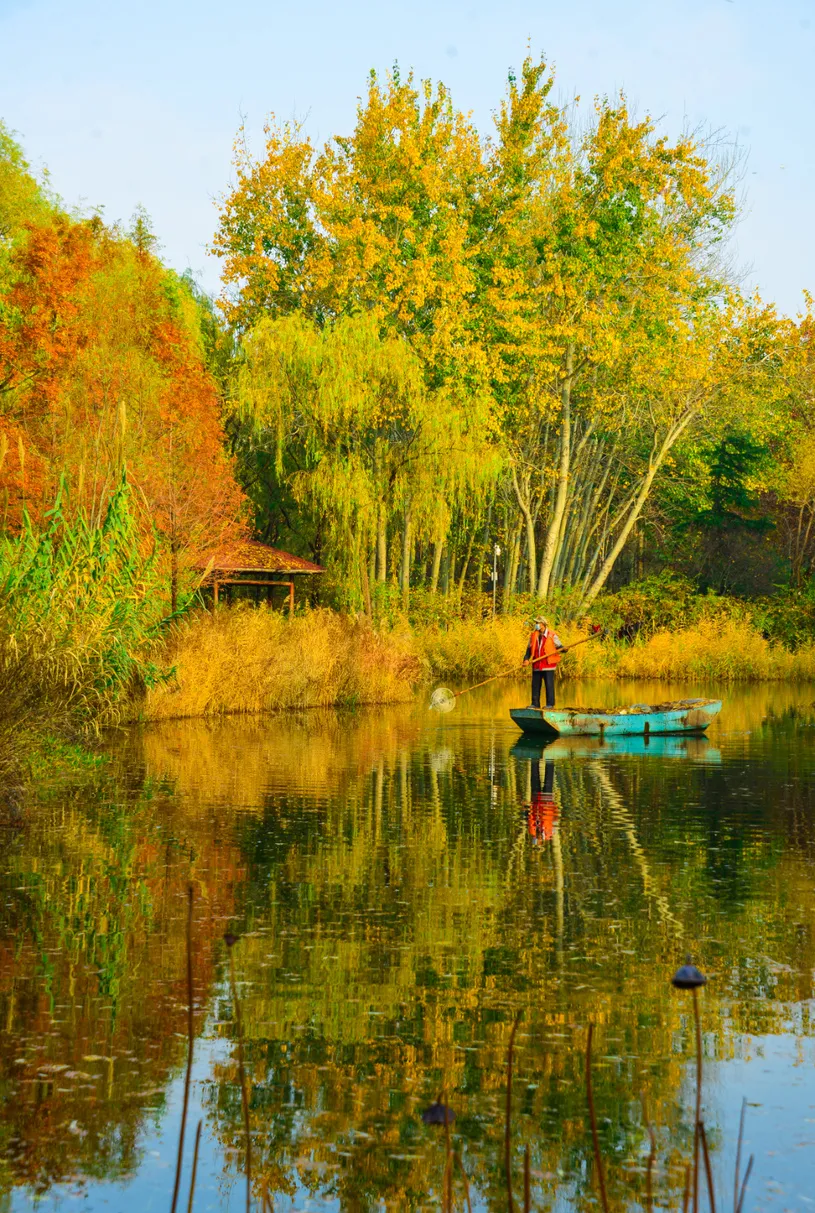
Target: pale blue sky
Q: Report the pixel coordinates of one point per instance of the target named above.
(140, 103)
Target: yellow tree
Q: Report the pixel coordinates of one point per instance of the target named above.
(719, 363)
(538, 276)
(794, 435)
(380, 220)
(610, 242)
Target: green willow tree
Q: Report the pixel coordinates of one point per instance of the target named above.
(360, 439)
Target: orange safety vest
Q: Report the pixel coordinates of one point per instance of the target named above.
(543, 652)
(542, 818)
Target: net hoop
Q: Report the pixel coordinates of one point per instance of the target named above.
(442, 700)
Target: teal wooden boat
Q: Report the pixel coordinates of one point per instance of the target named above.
(641, 719)
(691, 747)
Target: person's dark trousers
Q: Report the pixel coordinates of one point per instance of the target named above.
(548, 778)
(539, 677)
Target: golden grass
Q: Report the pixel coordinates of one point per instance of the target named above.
(247, 660)
(467, 652)
(723, 650)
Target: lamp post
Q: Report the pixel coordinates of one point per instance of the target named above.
(496, 552)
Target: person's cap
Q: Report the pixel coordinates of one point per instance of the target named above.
(541, 619)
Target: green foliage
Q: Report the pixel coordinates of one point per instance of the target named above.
(54, 756)
(22, 198)
(80, 608)
(357, 436)
(787, 618)
(662, 601)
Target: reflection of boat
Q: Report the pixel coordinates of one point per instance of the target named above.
(691, 746)
(643, 720)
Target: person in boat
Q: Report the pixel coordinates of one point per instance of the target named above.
(542, 814)
(543, 651)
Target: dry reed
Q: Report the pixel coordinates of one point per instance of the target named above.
(190, 1047)
(508, 1122)
(722, 650)
(595, 1140)
(194, 1175)
(247, 1125)
(708, 1171)
(249, 660)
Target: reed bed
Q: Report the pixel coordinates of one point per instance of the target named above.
(244, 660)
(725, 650)
(80, 616)
(247, 660)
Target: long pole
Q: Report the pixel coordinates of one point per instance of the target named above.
(494, 575)
(516, 668)
(697, 1129)
(190, 1046)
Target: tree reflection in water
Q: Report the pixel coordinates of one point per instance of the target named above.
(396, 909)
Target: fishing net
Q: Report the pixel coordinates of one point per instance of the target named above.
(442, 700)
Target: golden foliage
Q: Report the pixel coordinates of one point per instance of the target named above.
(246, 660)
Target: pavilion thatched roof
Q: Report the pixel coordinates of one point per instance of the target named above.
(252, 556)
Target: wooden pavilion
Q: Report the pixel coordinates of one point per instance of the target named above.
(249, 562)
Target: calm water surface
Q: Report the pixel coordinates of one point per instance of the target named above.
(402, 884)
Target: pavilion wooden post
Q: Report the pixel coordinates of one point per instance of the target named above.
(291, 597)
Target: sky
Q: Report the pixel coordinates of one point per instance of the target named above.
(131, 105)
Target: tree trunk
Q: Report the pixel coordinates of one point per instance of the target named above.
(381, 545)
(640, 565)
(654, 464)
(511, 569)
(173, 576)
(405, 574)
(556, 521)
(529, 522)
(577, 568)
(487, 547)
(465, 567)
(450, 570)
(438, 548)
(366, 585)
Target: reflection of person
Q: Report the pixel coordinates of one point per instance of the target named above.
(542, 815)
(543, 651)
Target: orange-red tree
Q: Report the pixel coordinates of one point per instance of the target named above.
(102, 369)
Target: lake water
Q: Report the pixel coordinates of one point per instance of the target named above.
(397, 902)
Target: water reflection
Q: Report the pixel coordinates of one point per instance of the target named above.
(542, 813)
(402, 885)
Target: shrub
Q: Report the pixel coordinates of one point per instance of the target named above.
(787, 618)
